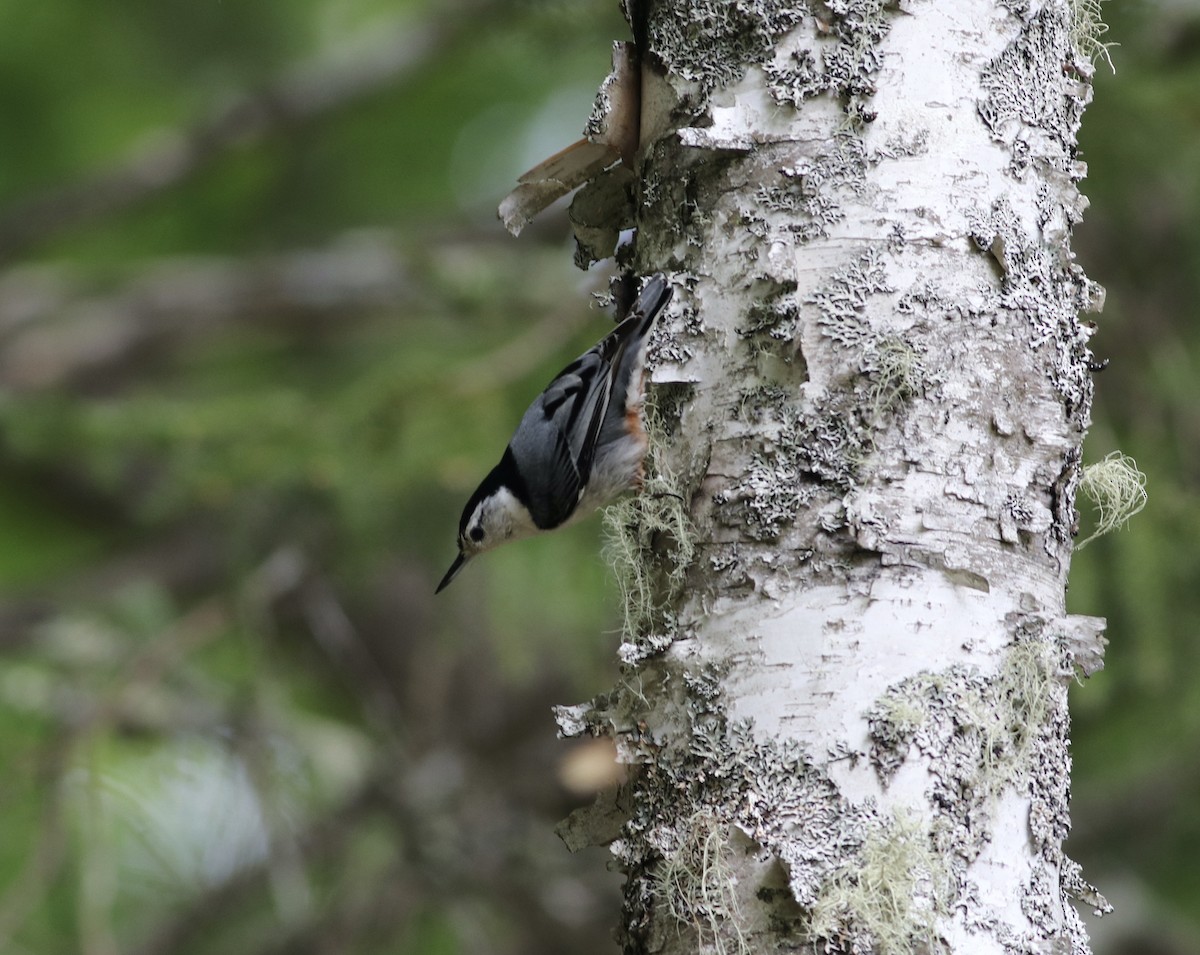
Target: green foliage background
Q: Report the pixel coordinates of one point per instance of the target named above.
(259, 336)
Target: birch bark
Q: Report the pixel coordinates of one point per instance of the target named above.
(844, 697)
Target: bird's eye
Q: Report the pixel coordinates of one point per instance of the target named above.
(476, 534)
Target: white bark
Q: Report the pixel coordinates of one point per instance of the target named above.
(847, 700)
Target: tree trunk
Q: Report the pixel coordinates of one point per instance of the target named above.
(844, 695)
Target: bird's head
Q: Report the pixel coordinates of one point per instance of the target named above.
(493, 516)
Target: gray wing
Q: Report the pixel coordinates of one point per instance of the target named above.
(556, 442)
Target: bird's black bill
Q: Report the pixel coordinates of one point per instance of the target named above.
(452, 572)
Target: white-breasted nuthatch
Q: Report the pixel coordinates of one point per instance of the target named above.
(579, 445)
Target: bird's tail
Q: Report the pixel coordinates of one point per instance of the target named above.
(629, 363)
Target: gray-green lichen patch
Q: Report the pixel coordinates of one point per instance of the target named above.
(887, 368)
(978, 730)
(1042, 903)
(796, 76)
(808, 452)
(776, 317)
(768, 497)
(1117, 489)
(894, 371)
(806, 196)
(772, 329)
(712, 42)
(695, 878)
(841, 163)
(981, 735)
(666, 401)
(649, 544)
(1087, 28)
(1018, 8)
(800, 457)
(863, 882)
(1049, 294)
(926, 297)
(679, 193)
(895, 720)
(1031, 102)
(904, 144)
(728, 779)
(886, 898)
(1020, 515)
(842, 61)
(842, 301)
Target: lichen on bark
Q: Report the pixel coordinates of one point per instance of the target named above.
(843, 684)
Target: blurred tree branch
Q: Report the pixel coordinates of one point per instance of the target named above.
(383, 56)
(52, 335)
(57, 331)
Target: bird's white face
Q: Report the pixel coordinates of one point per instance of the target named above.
(497, 519)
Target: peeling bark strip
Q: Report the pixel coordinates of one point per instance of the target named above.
(845, 690)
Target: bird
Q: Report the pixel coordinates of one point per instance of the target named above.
(580, 444)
